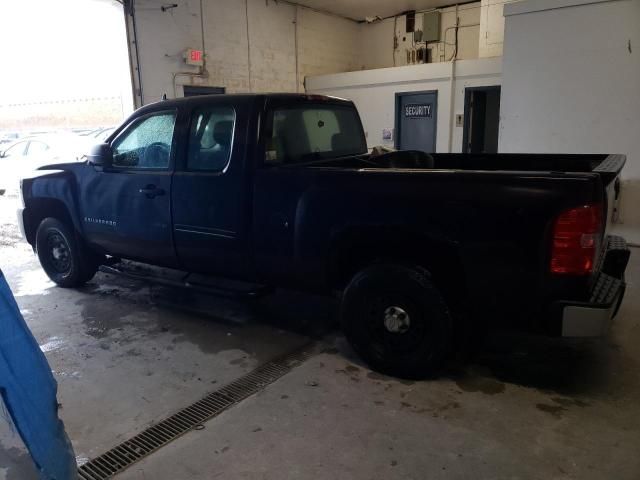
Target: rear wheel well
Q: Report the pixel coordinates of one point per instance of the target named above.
(356, 251)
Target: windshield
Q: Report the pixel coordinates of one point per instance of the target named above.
(313, 132)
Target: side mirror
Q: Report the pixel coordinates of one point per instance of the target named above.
(101, 155)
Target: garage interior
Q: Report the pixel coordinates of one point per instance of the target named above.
(528, 76)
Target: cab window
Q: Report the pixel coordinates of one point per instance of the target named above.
(147, 143)
(211, 139)
(312, 132)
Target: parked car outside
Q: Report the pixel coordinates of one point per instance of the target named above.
(100, 133)
(8, 137)
(29, 153)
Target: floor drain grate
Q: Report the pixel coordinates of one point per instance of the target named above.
(153, 438)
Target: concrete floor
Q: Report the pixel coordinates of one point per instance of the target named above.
(523, 409)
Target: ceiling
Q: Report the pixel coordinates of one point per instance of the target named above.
(359, 9)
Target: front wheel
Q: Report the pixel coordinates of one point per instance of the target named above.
(63, 257)
(396, 320)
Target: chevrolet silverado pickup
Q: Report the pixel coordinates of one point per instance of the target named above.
(280, 190)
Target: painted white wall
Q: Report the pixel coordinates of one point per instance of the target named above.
(571, 79)
(373, 92)
(326, 44)
(377, 38)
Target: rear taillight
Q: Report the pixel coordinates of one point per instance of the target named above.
(576, 240)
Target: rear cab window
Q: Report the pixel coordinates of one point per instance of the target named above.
(309, 131)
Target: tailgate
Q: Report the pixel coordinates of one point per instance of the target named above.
(614, 254)
(609, 170)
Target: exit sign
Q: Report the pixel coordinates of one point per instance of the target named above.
(194, 57)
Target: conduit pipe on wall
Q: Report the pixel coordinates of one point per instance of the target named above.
(203, 72)
(204, 50)
(132, 38)
(452, 86)
(246, 12)
(317, 10)
(295, 42)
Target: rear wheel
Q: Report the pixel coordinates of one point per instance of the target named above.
(63, 257)
(396, 320)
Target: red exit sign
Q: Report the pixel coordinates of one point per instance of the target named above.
(194, 57)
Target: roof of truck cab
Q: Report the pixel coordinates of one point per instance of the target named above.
(244, 97)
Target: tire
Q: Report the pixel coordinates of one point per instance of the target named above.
(397, 321)
(63, 256)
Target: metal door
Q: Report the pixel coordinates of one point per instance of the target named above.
(481, 119)
(126, 208)
(416, 118)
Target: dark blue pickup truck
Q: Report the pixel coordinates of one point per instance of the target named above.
(280, 190)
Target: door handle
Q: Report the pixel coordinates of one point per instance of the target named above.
(279, 220)
(151, 191)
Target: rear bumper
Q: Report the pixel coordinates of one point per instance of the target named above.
(593, 318)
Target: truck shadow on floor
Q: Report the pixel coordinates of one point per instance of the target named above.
(312, 316)
(309, 315)
(553, 365)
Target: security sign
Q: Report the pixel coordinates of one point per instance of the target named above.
(416, 110)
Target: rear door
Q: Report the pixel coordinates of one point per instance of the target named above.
(126, 209)
(210, 195)
(295, 132)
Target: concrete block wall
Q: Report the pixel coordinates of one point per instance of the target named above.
(225, 45)
(272, 46)
(328, 44)
(250, 47)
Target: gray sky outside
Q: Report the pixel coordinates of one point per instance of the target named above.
(54, 50)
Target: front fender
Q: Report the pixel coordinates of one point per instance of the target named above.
(50, 193)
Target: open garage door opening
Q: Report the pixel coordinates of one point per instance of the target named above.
(66, 81)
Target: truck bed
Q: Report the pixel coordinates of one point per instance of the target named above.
(607, 166)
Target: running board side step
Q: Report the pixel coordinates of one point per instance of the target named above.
(255, 291)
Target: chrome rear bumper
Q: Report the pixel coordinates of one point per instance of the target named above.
(593, 318)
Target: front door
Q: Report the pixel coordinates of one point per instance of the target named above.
(126, 209)
(416, 118)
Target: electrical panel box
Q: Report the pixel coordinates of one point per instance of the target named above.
(431, 26)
